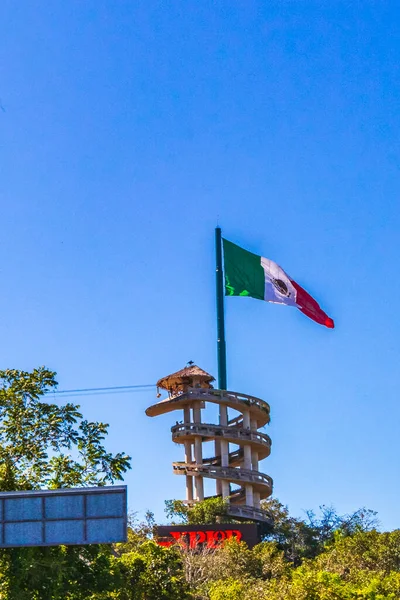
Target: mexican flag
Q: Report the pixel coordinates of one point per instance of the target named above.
(247, 274)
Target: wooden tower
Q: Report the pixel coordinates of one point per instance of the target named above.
(207, 445)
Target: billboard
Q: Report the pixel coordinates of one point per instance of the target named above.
(207, 536)
(63, 516)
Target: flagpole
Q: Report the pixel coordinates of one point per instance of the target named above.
(221, 346)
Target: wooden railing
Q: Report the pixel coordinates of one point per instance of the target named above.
(228, 396)
(242, 511)
(229, 473)
(217, 431)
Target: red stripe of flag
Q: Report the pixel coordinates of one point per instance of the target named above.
(310, 307)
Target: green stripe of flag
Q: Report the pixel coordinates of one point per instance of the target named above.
(244, 275)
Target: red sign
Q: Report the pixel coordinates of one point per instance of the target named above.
(191, 539)
(209, 536)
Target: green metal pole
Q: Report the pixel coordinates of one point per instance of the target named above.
(221, 346)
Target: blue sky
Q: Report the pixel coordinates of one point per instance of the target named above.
(128, 130)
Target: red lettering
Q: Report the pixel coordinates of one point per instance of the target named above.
(166, 544)
(219, 536)
(191, 539)
(178, 536)
(196, 537)
(233, 533)
(210, 539)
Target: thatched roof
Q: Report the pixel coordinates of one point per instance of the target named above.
(185, 376)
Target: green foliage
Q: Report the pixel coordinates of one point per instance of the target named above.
(272, 562)
(152, 573)
(362, 551)
(325, 557)
(46, 445)
(43, 445)
(360, 566)
(73, 573)
(211, 510)
(177, 511)
(300, 539)
(138, 532)
(232, 561)
(230, 589)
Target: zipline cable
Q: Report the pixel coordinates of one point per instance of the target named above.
(103, 389)
(100, 391)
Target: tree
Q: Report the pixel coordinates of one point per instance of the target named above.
(211, 510)
(305, 538)
(230, 589)
(233, 560)
(152, 573)
(362, 551)
(138, 532)
(43, 445)
(59, 572)
(46, 445)
(364, 565)
(329, 523)
(294, 536)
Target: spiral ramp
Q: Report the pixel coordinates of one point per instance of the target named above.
(236, 472)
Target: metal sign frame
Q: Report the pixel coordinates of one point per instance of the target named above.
(76, 516)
